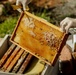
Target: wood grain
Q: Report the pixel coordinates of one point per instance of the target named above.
(25, 64)
(14, 60)
(10, 59)
(19, 63)
(6, 55)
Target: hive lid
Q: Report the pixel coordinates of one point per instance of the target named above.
(40, 38)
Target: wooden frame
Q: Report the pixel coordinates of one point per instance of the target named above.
(39, 37)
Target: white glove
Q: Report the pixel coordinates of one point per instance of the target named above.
(24, 4)
(67, 23)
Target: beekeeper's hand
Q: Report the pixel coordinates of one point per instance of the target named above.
(24, 4)
(67, 23)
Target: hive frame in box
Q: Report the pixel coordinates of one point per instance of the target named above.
(52, 60)
(5, 43)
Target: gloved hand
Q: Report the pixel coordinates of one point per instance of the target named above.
(24, 4)
(67, 23)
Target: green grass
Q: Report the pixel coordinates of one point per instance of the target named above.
(43, 15)
(7, 26)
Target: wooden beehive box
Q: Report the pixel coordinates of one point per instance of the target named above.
(40, 38)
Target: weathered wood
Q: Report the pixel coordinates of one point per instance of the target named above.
(10, 59)
(14, 60)
(19, 63)
(6, 55)
(25, 64)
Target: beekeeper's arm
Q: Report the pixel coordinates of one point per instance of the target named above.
(68, 23)
(24, 3)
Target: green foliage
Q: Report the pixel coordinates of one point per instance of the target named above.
(6, 9)
(44, 15)
(7, 26)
